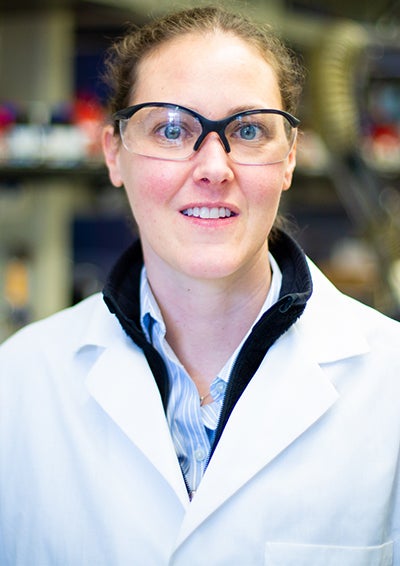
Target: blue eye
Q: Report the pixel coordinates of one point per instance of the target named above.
(248, 132)
(172, 132)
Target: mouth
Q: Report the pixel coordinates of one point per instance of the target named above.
(206, 212)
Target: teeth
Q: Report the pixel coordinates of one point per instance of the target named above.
(205, 212)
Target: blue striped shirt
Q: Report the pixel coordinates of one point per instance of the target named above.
(192, 426)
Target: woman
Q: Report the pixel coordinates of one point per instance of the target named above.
(214, 409)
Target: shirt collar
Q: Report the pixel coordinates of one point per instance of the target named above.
(149, 308)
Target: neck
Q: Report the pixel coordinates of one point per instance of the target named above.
(207, 319)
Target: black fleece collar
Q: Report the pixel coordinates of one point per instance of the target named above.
(122, 296)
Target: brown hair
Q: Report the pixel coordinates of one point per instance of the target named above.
(124, 56)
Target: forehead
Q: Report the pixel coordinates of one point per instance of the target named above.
(197, 69)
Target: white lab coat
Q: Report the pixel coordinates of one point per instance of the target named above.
(306, 472)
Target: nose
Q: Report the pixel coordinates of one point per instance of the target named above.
(213, 165)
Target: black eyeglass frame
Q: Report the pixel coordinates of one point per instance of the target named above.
(208, 126)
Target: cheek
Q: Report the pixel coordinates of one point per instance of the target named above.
(151, 187)
(266, 186)
(148, 185)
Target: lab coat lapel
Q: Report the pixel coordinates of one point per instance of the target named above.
(123, 385)
(286, 396)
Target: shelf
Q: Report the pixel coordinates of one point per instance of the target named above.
(93, 171)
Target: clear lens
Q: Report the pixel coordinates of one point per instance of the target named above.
(260, 138)
(162, 132)
(167, 132)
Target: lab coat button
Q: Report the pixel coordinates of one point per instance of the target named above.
(221, 386)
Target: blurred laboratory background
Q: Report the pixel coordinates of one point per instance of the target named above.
(62, 224)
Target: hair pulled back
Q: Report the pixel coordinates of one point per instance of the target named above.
(124, 56)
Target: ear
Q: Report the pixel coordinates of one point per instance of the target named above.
(111, 147)
(290, 166)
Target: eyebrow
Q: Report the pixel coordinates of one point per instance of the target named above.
(236, 109)
(244, 108)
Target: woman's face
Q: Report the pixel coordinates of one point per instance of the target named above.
(215, 75)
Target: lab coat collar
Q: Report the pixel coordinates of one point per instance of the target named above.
(288, 394)
(121, 382)
(329, 323)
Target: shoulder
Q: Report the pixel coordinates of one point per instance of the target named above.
(65, 331)
(335, 321)
(325, 294)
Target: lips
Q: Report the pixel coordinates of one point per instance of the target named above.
(206, 212)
